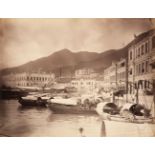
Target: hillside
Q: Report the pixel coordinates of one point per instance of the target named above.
(65, 62)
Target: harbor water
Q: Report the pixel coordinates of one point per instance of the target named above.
(16, 120)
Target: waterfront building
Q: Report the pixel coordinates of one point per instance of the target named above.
(110, 77)
(141, 60)
(122, 74)
(28, 80)
(115, 76)
(84, 85)
(100, 82)
(137, 70)
(85, 73)
(107, 79)
(85, 80)
(63, 82)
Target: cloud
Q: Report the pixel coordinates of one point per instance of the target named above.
(23, 40)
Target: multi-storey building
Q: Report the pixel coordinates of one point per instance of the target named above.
(138, 69)
(28, 80)
(107, 79)
(140, 61)
(115, 76)
(110, 77)
(85, 73)
(85, 80)
(121, 74)
(84, 85)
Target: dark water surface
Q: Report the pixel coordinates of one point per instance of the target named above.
(16, 120)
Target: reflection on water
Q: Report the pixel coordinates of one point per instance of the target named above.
(16, 120)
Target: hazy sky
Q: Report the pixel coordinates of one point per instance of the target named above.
(23, 40)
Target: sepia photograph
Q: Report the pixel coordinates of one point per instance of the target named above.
(77, 77)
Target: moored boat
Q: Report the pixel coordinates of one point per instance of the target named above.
(123, 122)
(34, 100)
(71, 106)
(131, 119)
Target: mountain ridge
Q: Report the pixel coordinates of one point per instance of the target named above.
(68, 61)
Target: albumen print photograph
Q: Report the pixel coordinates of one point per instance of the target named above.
(77, 77)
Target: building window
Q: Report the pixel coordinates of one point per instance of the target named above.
(146, 47)
(153, 42)
(136, 53)
(143, 70)
(139, 52)
(139, 69)
(131, 71)
(142, 49)
(130, 55)
(146, 66)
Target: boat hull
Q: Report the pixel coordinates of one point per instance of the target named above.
(32, 103)
(127, 129)
(70, 109)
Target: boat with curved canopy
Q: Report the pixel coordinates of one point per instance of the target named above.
(74, 105)
(127, 120)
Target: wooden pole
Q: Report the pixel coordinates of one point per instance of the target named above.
(137, 100)
(103, 129)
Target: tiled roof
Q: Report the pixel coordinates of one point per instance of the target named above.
(141, 36)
